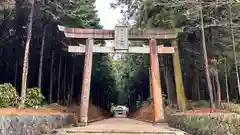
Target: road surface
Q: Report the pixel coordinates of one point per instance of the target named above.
(121, 126)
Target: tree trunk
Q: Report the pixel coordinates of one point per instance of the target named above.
(41, 59)
(234, 48)
(16, 72)
(195, 85)
(51, 77)
(97, 99)
(170, 86)
(134, 101)
(4, 23)
(226, 80)
(208, 79)
(25, 62)
(214, 89)
(59, 78)
(233, 87)
(218, 87)
(68, 93)
(103, 101)
(65, 81)
(72, 84)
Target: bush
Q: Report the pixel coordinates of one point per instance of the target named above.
(138, 104)
(231, 107)
(222, 124)
(34, 97)
(8, 95)
(197, 104)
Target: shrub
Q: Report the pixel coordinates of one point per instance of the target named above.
(201, 103)
(197, 104)
(222, 124)
(34, 97)
(231, 107)
(8, 95)
(138, 104)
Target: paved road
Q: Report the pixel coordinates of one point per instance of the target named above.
(122, 126)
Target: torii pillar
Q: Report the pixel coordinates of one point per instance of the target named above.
(181, 98)
(86, 82)
(156, 82)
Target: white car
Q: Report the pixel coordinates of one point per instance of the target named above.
(119, 111)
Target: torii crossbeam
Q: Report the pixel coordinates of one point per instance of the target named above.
(101, 49)
(121, 35)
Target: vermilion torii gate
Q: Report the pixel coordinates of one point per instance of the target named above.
(122, 35)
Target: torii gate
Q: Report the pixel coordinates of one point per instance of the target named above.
(122, 35)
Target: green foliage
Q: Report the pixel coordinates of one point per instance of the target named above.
(134, 73)
(8, 95)
(104, 77)
(231, 107)
(200, 103)
(34, 97)
(80, 13)
(7, 4)
(214, 124)
(138, 104)
(173, 14)
(153, 14)
(77, 13)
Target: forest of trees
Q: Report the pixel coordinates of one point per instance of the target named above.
(50, 67)
(33, 53)
(220, 21)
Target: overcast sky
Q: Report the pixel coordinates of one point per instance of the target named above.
(109, 17)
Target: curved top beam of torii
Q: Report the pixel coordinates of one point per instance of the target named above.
(121, 34)
(109, 34)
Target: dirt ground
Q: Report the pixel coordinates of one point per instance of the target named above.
(30, 111)
(145, 113)
(56, 109)
(94, 113)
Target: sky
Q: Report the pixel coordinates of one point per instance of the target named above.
(108, 17)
